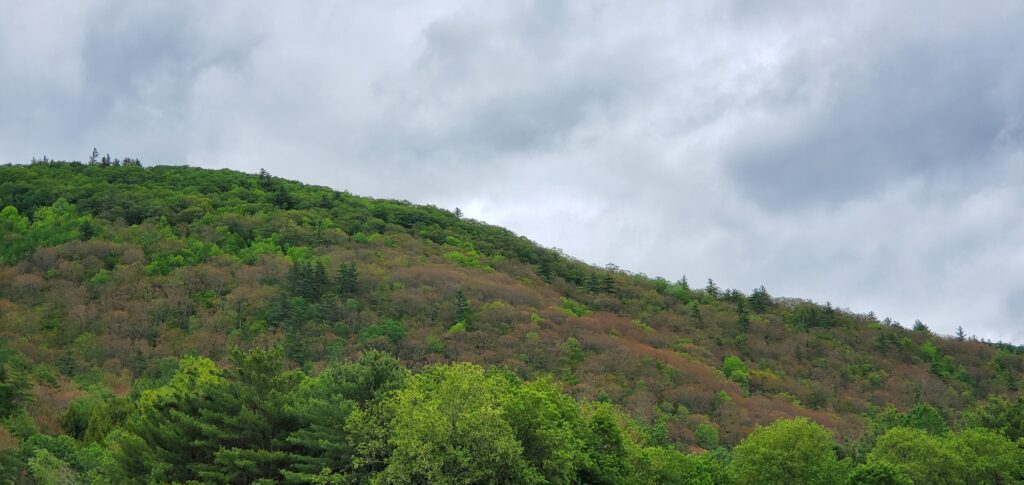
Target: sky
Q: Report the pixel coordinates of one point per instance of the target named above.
(865, 153)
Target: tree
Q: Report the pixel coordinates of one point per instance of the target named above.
(323, 403)
(923, 458)
(463, 312)
(926, 417)
(785, 452)
(879, 473)
(458, 213)
(711, 289)
(960, 334)
(989, 456)
(94, 156)
(347, 281)
(760, 300)
(445, 425)
(706, 436)
(15, 388)
(266, 182)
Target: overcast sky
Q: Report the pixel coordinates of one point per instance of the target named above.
(867, 153)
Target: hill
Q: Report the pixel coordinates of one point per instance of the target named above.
(111, 272)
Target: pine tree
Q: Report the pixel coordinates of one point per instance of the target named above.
(463, 312)
(248, 419)
(711, 289)
(319, 281)
(95, 155)
(265, 181)
(347, 281)
(960, 334)
(760, 300)
(544, 270)
(743, 320)
(608, 283)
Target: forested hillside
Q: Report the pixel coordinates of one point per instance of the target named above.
(166, 324)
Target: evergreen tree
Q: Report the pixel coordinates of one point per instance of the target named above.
(95, 155)
(544, 270)
(608, 283)
(760, 300)
(711, 289)
(347, 281)
(266, 182)
(960, 334)
(248, 419)
(319, 281)
(463, 312)
(743, 320)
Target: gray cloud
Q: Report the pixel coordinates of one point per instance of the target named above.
(865, 153)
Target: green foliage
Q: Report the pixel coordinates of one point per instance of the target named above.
(347, 281)
(760, 300)
(998, 414)
(736, 370)
(921, 457)
(15, 386)
(706, 436)
(785, 452)
(463, 311)
(574, 308)
(879, 473)
(926, 417)
(109, 273)
(391, 330)
(573, 351)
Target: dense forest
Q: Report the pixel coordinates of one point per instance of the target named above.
(173, 324)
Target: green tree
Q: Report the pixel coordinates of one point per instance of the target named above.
(347, 281)
(15, 387)
(923, 458)
(760, 300)
(926, 417)
(706, 436)
(444, 426)
(878, 473)
(736, 370)
(711, 289)
(463, 312)
(988, 456)
(787, 451)
(998, 414)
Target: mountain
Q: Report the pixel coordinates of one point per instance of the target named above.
(119, 283)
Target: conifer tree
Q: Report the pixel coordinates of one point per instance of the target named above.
(463, 312)
(347, 281)
(711, 289)
(760, 300)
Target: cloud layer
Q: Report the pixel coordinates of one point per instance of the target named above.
(870, 154)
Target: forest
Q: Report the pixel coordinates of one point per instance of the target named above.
(172, 324)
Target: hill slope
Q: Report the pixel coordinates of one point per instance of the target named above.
(110, 273)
